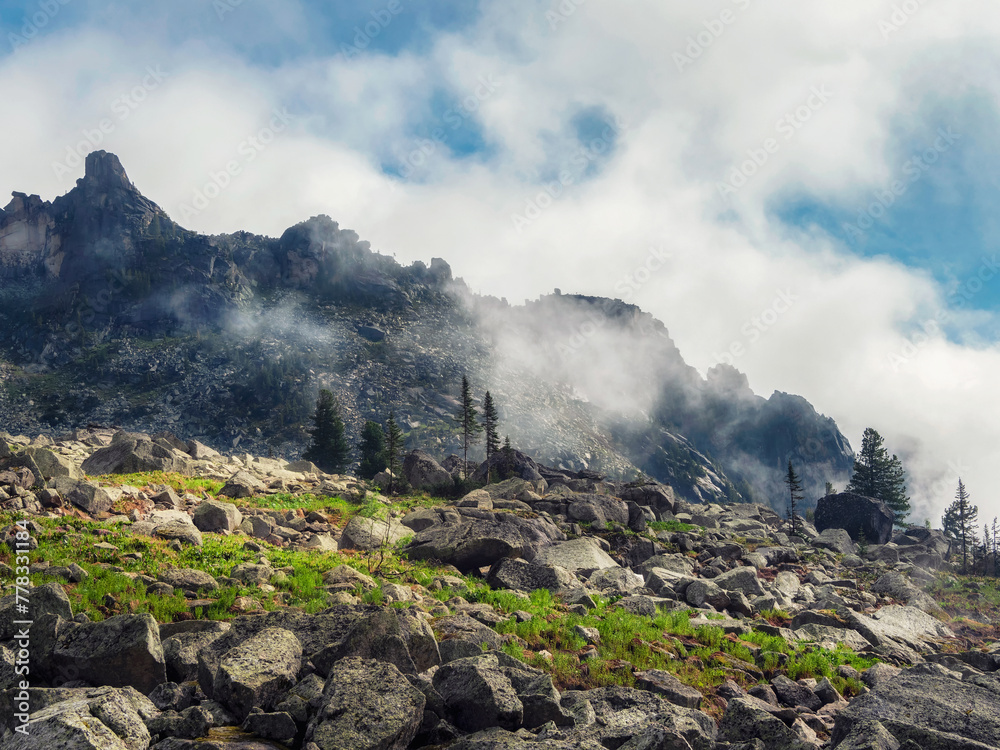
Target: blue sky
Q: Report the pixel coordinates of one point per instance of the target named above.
(584, 144)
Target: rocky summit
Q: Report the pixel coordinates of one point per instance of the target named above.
(112, 314)
(163, 594)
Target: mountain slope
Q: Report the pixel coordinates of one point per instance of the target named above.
(112, 313)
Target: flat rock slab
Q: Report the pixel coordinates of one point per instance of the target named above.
(933, 711)
(577, 554)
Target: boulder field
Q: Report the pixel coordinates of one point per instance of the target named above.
(408, 670)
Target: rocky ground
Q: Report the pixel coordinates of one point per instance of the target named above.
(179, 598)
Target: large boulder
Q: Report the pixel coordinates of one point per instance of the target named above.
(371, 533)
(520, 575)
(53, 464)
(213, 515)
(258, 672)
(242, 484)
(423, 472)
(183, 641)
(583, 554)
(745, 720)
(933, 710)
(472, 538)
(122, 650)
(390, 635)
(133, 454)
(189, 579)
(90, 497)
(743, 580)
(837, 540)
(622, 713)
(48, 599)
(478, 694)
(659, 497)
(864, 518)
(314, 632)
(506, 465)
(899, 587)
(598, 510)
(366, 705)
(103, 718)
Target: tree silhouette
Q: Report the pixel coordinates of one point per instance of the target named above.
(468, 424)
(393, 445)
(372, 450)
(329, 449)
(878, 475)
(490, 420)
(794, 495)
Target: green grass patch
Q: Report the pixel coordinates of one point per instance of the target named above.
(673, 526)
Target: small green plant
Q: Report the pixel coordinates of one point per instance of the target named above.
(674, 526)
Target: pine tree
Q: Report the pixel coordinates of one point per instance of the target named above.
(372, 450)
(993, 545)
(490, 420)
(986, 547)
(393, 446)
(329, 449)
(794, 495)
(830, 489)
(879, 476)
(960, 521)
(508, 457)
(468, 424)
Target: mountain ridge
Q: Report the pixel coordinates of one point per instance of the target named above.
(117, 314)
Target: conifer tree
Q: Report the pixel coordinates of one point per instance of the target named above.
(393, 446)
(508, 457)
(994, 530)
(468, 424)
(490, 420)
(960, 521)
(329, 449)
(372, 450)
(877, 475)
(794, 496)
(830, 490)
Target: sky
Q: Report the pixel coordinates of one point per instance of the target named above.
(803, 190)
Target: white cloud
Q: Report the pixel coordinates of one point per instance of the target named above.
(683, 132)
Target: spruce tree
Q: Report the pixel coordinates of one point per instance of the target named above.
(877, 475)
(468, 424)
(393, 446)
(508, 457)
(372, 450)
(490, 420)
(794, 496)
(967, 516)
(994, 545)
(329, 449)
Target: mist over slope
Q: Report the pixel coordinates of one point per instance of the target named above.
(112, 313)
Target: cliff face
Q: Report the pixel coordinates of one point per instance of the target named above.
(113, 313)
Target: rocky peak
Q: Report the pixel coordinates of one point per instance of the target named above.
(105, 172)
